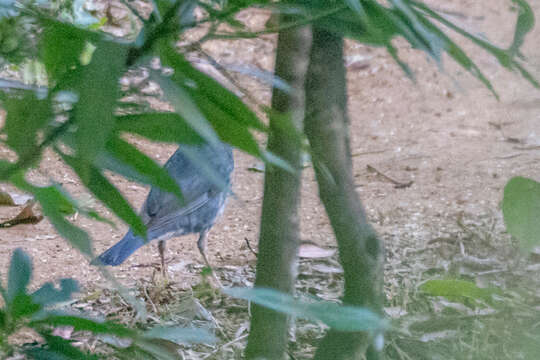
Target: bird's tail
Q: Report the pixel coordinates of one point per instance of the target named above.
(120, 251)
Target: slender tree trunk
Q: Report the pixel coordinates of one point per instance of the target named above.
(278, 241)
(360, 251)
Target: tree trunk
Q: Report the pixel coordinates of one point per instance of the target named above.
(278, 240)
(360, 251)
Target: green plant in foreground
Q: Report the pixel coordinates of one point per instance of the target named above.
(23, 310)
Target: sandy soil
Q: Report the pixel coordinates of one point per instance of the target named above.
(447, 133)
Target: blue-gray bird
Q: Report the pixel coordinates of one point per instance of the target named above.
(166, 217)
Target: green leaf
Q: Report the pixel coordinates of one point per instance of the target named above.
(47, 294)
(39, 353)
(156, 349)
(521, 211)
(238, 135)
(20, 271)
(273, 159)
(341, 318)
(199, 84)
(55, 204)
(453, 289)
(524, 24)
(131, 156)
(85, 324)
(25, 116)
(2, 320)
(184, 106)
(97, 88)
(459, 55)
(413, 28)
(505, 57)
(22, 306)
(168, 127)
(100, 186)
(62, 46)
(58, 348)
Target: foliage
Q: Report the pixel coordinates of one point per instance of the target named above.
(458, 290)
(79, 118)
(521, 210)
(343, 318)
(37, 311)
(84, 67)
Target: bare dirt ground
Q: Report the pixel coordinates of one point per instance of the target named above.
(446, 133)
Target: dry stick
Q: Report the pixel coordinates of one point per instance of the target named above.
(249, 247)
(398, 184)
(530, 147)
(150, 299)
(369, 152)
(510, 156)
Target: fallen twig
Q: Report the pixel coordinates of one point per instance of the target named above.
(369, 152)
(529, 147)
(397, 184)
(250, 248)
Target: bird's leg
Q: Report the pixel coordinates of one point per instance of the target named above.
(201, 244)
(161, 248)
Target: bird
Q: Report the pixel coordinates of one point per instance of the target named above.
(166, 217)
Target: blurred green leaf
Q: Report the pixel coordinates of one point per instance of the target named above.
(180, 335)
(25, 116)
(157, 175)
(55, 203)
(20, 271)
(8, 9)
(230, 131)
(97, 87)
(62, 46)
(521, 211)
(525, 23)
(273, 159)
(22, 306)
(168, 127)
(455, 289)
(202, 87)
(2, 319)
(157, 349)
(85, 324)
(107, 193)
(57, 348)
(339, 317)
(47, 294)
(184, 106)
(81, 16)
(505, 57)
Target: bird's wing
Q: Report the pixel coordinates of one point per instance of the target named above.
(191, 179)
(170, 210)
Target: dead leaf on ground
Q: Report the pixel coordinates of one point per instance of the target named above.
(312, 251)
(322, 268)
(7, 199)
